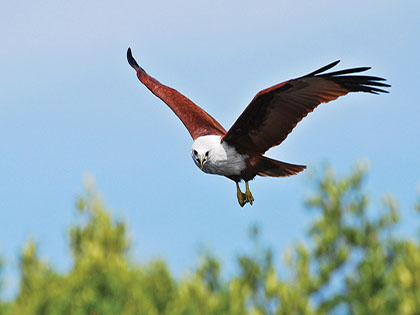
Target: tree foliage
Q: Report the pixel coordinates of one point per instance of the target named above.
(351, 263)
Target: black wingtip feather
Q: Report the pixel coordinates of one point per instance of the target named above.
(325, 68)
(132, 61)
(353, 70)
(353, 83)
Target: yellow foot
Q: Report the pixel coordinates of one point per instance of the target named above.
(248, 196)
(241, 196)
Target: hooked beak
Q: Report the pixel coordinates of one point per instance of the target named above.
(201, 161)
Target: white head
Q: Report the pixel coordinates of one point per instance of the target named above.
(215, 157)
(204, 148)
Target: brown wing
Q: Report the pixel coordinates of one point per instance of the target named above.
(275, 111)
(195, 119)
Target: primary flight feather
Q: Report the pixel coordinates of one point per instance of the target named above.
(266, 122)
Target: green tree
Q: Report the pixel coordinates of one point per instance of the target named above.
(3, 305)
(351, 263)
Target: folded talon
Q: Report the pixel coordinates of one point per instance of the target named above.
(248, 196)
(242, 199)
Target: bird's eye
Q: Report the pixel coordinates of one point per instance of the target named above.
(195, 152)
(207, 153)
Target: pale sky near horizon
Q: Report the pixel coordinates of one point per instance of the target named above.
(71, 105)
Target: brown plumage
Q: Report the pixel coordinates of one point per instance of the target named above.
(195, 119)
(274, 112)
(266, 122)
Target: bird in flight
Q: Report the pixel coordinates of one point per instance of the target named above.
(272, 114)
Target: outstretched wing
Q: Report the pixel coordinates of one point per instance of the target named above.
(194, 118)
(275, 111)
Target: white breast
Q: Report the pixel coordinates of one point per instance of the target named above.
(222, 158)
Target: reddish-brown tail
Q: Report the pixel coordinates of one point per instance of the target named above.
(273, 168)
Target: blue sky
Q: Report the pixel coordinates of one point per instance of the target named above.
(71, 105)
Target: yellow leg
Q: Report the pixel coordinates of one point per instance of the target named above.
(248, 196)
(240, 196)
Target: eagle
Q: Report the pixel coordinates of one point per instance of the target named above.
(272, 114)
